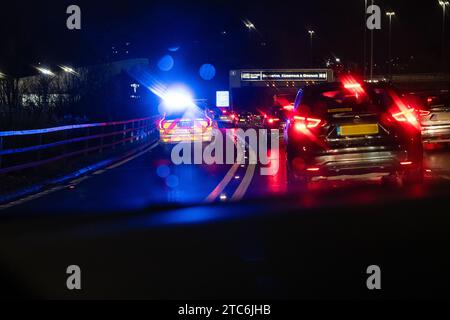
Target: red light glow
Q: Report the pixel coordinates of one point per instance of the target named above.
(302, 123)
(289, 107)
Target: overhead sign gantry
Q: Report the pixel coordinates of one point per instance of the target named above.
(278, 77)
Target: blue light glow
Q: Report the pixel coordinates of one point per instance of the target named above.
(172, 181)
(207, 72)
(163, 171)
(166, 63)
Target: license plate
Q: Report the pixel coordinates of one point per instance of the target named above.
(358, 130)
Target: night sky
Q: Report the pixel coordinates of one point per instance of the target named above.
(35, 31)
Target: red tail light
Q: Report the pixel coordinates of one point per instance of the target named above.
(272, 120)
(352, 86)
(409, 115)
(423, 113)
(289, 107)
(302, 123)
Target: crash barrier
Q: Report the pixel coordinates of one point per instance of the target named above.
(25, 149)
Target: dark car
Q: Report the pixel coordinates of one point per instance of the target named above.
(276, 118)
(350, 129)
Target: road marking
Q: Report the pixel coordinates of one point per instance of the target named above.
(73, 182)
(249, 174)
(245, 183)
(223, 184)
(445, 177)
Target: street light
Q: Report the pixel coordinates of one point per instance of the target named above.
(390, 14)
(311, 34)
(67, 69)
(444, 5)
(250, 26)
(45, 71)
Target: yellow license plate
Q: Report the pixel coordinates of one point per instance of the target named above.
(358, 130)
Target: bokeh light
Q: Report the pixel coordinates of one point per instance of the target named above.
(163, 171)
(207, 71)
(172, 181)
(166, 63)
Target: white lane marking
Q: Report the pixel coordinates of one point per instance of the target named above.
(242, 189)
(249, 174)
(73, 182)
(222, 184)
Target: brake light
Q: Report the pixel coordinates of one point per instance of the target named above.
(352, 86)
(423, 113)
(302, 123)
(406, 116)
(272, 120)
(406, 163)
(313, 169)
(289, 107)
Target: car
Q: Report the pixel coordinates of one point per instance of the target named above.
(225, 117)
(434, 110)
(184, 120)
(276, 118)
(245, 119)
(352, 129)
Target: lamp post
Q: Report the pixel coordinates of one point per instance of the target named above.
(371, 52)
(311, 34)
(365, 40)
(444, 5)
(390, 14)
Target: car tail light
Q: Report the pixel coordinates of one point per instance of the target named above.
(406, 163)
(408, 115)
(423, 113)
(289, 107)
(272, 120)
(302, 123)
(352, 86)
(313, 169)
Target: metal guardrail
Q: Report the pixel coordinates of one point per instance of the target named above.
(25, 149)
